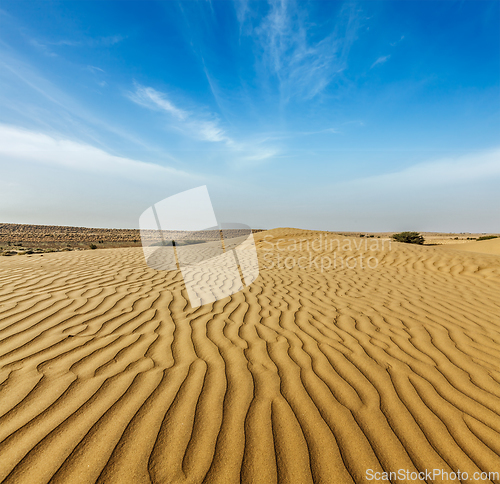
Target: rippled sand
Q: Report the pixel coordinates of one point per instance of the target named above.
(308, 375)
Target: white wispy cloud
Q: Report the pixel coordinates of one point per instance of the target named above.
(42, 48)
(95, 69)
(101, 41)
(107, 40)
(47, 47)
(153, 99)
(255, 158)
(51, 107)
(203, 127)
(242, 9)
(466, 168)
(397, 41)
(321, 131)
(282, 135)
(17, 144)
(302, 66)
(380, 60)
(69, 43)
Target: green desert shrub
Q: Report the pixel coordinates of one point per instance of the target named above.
(488, 237)
(93, 246)
(409, 238)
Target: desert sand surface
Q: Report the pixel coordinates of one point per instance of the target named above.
(491, 246)
(311, 374)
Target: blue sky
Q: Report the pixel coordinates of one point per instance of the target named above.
(374, 115)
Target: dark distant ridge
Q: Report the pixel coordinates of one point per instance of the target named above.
(58, 236)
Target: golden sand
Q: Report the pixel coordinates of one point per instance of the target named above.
(308, 375)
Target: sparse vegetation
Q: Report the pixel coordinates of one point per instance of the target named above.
(93, 246)
(39, 238)
(409, 238)
(487, 237)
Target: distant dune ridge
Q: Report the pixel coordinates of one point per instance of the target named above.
(309, 375)
(53, 233)
(491, 246)
(56, 236)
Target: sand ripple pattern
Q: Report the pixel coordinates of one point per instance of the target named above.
(107, 374)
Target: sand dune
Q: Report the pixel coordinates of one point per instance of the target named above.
(491, 246)
(312, 374)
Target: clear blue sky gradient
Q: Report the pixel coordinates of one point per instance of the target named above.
(374, 115)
